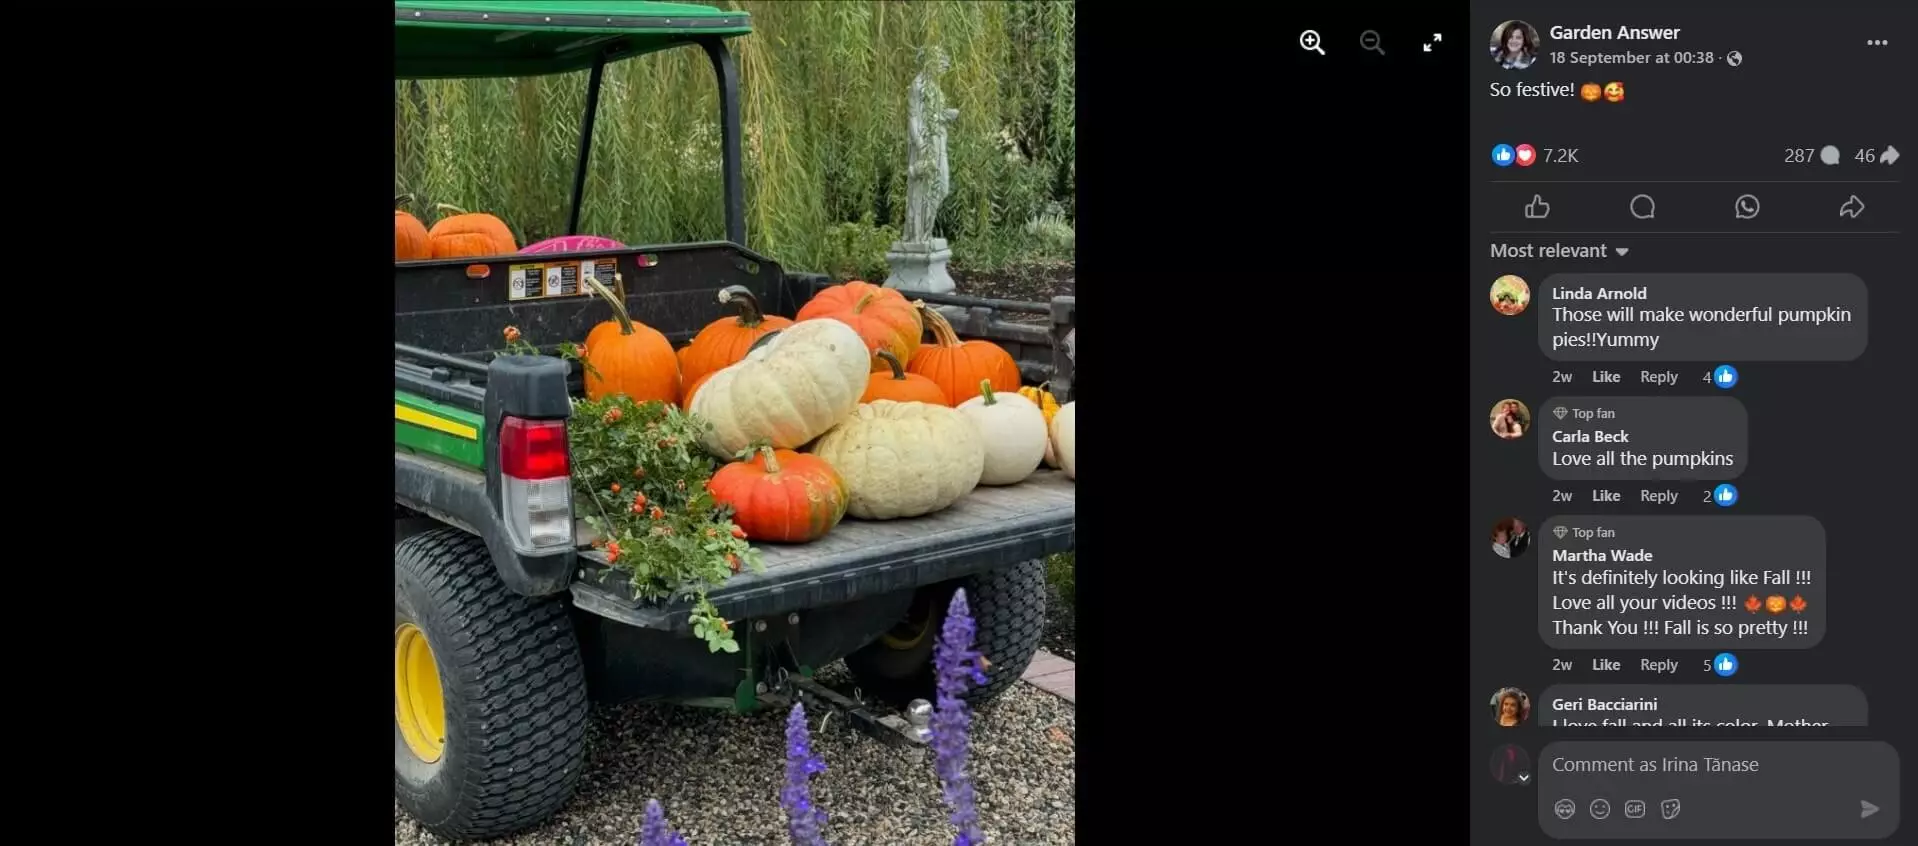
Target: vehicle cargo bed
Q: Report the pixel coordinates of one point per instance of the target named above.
(990, 527)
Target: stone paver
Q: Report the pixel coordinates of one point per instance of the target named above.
(1054, 675)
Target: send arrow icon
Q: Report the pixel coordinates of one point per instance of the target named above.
(1866, 809)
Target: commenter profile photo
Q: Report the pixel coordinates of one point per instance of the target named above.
(1515, 45)
(1510, 537)
(1511, 419)
(1510, 295)
(1510, 707)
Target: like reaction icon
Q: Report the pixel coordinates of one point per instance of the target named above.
(1537, 209)
(1503, 154)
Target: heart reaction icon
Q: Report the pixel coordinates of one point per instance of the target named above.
(1526, 155)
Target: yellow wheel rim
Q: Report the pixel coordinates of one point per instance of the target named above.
(910, 632)
(419, 705)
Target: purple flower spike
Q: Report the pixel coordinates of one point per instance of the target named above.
(956, 665)
(804, 821)
(653, 830)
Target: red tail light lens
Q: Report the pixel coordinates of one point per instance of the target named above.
(533, 449)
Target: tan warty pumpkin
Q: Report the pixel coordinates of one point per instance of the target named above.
(795, 384)
(1048, 404)
(903, 459)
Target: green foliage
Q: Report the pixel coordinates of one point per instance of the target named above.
(1062, 575)
(823, 106)
(639, 478)
(858, 250)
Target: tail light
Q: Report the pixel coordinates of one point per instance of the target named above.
(536, 485)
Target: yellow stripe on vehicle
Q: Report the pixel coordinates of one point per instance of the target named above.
(437, 424)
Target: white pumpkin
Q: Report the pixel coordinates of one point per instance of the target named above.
(903, 459)
(802, 381)
(1014, 431)
(1062, 439)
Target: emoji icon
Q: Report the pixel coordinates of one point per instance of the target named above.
(1798, 603)
(1526, 155)
(1502, 155)
(1751, 603)
(1614, 92)
(1775, 604)
(1725, 664)
(1588, 92)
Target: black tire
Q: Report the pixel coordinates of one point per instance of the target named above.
(514, 693)
(1009, 608)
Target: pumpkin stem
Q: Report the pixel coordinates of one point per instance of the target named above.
(750, 314)
(892, 360)
(985, 390)
(448, 207)
(772, 463)
(942, 331)
(619, 305)
(402, 200)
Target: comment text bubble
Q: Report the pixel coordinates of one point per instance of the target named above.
(1702, 317)
(1648, 438)
(1701, 705)
(1661, 582)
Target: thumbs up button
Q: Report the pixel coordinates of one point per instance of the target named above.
(1537, 209)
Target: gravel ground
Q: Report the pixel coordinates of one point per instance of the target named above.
(718, 775)
(1033, 282)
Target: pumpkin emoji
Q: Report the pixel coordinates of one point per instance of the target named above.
(1614, 92)
(1589, 92)
(1775, 604)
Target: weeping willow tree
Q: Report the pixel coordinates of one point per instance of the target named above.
(823, 105)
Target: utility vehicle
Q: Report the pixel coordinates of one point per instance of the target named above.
(500, 637)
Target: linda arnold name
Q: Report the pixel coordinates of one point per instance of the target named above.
(1637, 293)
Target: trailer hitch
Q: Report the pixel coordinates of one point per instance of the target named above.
(909, 731)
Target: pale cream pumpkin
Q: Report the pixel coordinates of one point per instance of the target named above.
(1062, 439)
(903, 459)
(800, 382)
(1014, 431)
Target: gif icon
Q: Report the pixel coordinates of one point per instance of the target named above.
(1634, 809)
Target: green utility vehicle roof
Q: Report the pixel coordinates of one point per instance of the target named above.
(440, 39)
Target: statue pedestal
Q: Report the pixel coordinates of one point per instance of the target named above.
(920, 266)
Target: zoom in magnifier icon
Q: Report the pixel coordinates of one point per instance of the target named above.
(1643, 207)
(1369, 40)
(1309, 40)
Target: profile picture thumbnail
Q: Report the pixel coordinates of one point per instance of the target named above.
(1510, 537)
(1511, 766)
(1511, 419)
(1515, 45)
(1510, 707)
(1510, 295)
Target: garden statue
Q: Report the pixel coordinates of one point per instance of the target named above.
(918, 260)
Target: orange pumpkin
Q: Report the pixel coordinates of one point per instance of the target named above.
(410, 242)
(726, 340)
(635, 359)
(464, 235)
(902, 386)
(781, 495)
(958, 366)
(881, 316)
